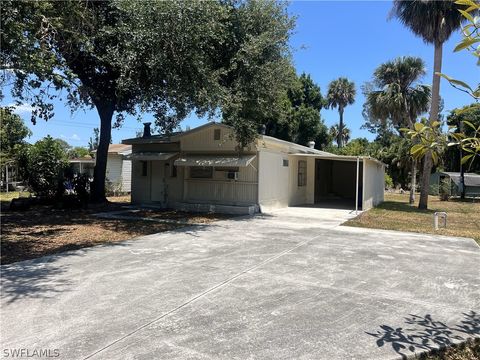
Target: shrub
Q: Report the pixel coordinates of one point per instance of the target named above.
(113, 188)
(388, 181)
(444, 189)
(76, 185)
(44, 164)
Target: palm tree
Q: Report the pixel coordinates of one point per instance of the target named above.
(433, 21)
(341, 92)
(398, 99)
(336, 134)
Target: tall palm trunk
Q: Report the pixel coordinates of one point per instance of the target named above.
(340, 128)
(427, 164)
(413, 182)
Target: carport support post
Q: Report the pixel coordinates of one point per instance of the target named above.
(356, 187)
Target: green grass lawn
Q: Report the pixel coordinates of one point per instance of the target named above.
(469, 350)
(463, 217)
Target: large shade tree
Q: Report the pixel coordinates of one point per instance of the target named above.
(396, 99)
(433, 21)
(341, 93)
(299, 119)
(166, 58)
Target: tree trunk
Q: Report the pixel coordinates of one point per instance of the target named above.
(105, 111)
(413, 182)
(462, 168)
(340, 128)
(427, 164)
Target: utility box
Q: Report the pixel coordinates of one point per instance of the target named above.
(439, 219)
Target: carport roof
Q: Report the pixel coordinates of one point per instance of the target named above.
(341, 157)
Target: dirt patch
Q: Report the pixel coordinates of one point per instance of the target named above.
(44, 230)
(180, 216)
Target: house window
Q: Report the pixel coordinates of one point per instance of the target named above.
(216, 134)
(302, 173)
(285, 162)
(201, 172)
(144, 168)
(174, 171)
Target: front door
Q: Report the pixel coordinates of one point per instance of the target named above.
(157, 181)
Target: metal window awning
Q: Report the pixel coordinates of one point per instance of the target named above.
(215, 160)
(149, 156)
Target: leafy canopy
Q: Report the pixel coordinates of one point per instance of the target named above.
(433, 21)
(394, 99)
(162, 57)
(299, 119)
(12, 133)
(341, 92)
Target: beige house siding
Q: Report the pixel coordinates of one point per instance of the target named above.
(374, 179)
(310, 190)
(298, 194)
(140, 183)
(273, 180)
(203, 140)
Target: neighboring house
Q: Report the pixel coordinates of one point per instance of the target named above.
(202, 169)
(472, 183)
(83, 165)
(119, 166)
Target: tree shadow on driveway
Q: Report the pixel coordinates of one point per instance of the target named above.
(39, 278)
(32, 279)
(425, 334)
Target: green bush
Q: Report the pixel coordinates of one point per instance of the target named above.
(43, 165)
(113, 188)
(388, 181)
(444, 189)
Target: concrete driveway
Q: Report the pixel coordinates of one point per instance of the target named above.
(289, 285)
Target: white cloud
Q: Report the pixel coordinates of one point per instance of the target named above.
(73, 137)
(22, 108)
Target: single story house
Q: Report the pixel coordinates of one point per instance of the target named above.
(119, 166)
(472, 183)
(202, 169)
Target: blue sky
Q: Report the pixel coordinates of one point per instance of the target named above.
(331, 39)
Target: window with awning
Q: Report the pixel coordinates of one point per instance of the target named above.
(215, 160)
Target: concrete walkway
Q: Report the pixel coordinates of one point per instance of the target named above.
(288, 285)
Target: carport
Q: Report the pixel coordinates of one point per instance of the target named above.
(346, 182)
